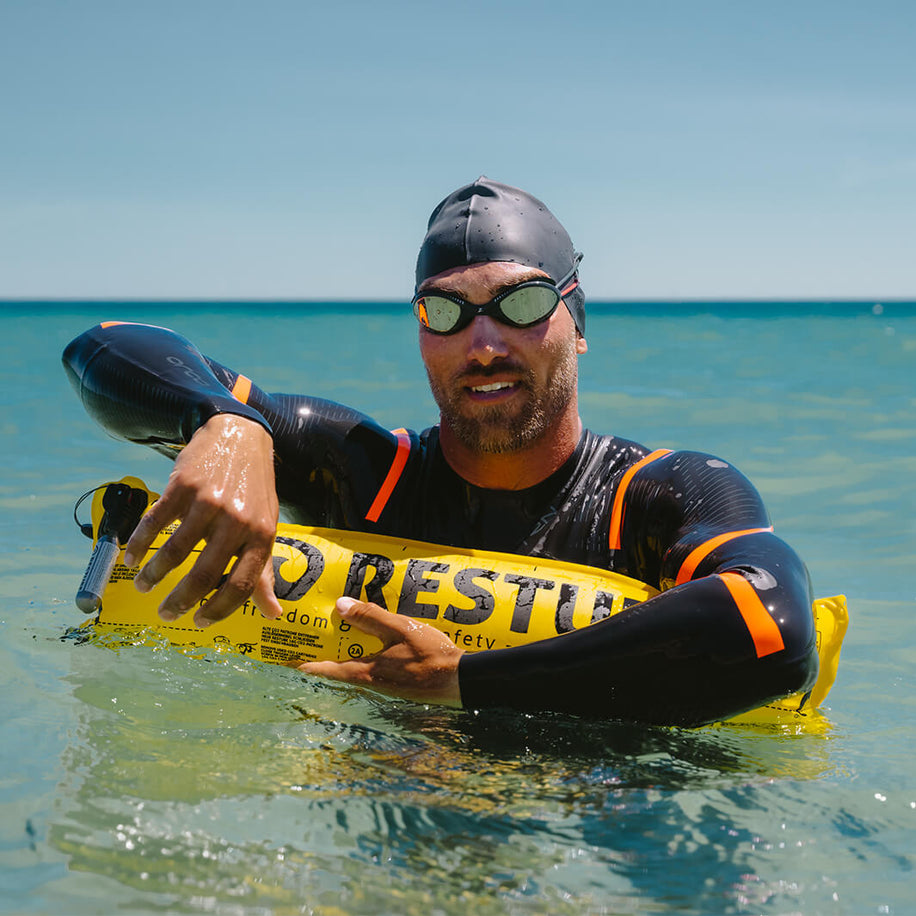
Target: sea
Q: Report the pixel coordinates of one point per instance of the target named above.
(147, 780)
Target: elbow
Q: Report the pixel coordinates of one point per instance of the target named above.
(76, 357)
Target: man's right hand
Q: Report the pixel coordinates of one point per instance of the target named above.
(223, 492)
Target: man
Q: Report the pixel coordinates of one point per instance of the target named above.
(509, 468)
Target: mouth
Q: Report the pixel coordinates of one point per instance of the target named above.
(492, 392)
(491, 387)
(498, 382)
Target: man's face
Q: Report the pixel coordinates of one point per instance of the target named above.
(499, 388)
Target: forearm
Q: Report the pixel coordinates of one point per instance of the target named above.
(686, 657)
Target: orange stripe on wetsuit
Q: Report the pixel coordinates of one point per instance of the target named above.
(618, 507)
(391, 479)
(241, 390)
(763, 629)
(698, 554)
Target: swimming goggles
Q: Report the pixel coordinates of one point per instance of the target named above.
(519, 306)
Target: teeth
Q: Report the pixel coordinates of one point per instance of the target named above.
(493, 386)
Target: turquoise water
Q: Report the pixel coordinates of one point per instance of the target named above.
(146, 781)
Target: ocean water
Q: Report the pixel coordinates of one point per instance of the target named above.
(142, 781)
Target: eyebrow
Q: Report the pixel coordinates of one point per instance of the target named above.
(526, 277)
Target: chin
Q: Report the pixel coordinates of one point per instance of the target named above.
(500, 432)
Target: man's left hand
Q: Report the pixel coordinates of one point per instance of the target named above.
(416, 661)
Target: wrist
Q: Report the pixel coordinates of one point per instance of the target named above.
(227, 423)
(224, 413)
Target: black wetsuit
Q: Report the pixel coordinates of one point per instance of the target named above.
(731, 630)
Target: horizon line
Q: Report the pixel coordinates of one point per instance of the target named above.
(288, 300)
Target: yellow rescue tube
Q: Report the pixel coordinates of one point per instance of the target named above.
(480, 599)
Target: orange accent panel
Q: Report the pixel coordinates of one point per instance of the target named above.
(241, 390)
(698, 554)
(617, 510)
(763, 629)
(423, 315)
(391, 479)
(111, 324)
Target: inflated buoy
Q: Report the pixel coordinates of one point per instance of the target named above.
(480, 599)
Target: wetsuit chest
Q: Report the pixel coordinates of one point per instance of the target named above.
(565, 517)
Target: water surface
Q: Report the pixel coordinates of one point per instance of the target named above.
(143, 780)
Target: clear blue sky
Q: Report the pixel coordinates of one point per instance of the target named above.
(216, 148)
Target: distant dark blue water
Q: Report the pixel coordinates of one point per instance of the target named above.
(149, 781)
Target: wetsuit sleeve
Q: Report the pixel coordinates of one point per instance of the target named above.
(147, 384)
(152, 386)
(732, 630)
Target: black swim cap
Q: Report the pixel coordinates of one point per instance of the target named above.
(489, 221)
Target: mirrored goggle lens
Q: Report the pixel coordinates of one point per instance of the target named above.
(437, 313)
(529, 304)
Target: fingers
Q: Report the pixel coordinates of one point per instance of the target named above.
(158, 517)
(245, 578)
(222, 489)
(264, 597)
(251, 572)
(358, 672)
(372, 619)
(369, 618)
(201, 579)
(417, 661)
(170, 554)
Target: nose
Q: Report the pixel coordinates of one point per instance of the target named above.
(487, 340)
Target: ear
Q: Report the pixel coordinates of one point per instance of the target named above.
(581, 344)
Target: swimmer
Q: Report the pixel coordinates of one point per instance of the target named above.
(509, 467)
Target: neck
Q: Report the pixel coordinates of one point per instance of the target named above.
(514, 470)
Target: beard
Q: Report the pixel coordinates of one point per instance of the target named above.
(502, 428)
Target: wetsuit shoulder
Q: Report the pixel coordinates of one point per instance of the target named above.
(337, 467)
(669, 501)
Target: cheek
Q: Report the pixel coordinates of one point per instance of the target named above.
(427, 343)
(434, 351)
(560, 339)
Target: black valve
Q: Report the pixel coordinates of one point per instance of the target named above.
(123, 505)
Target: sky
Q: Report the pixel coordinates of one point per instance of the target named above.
(289, 149)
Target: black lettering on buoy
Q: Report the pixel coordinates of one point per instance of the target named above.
(467, 587)
(293, 591)
(305, 620)
(604, 604)
(566, 604)
(383, 570)
(524, 601)
(416, 581)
